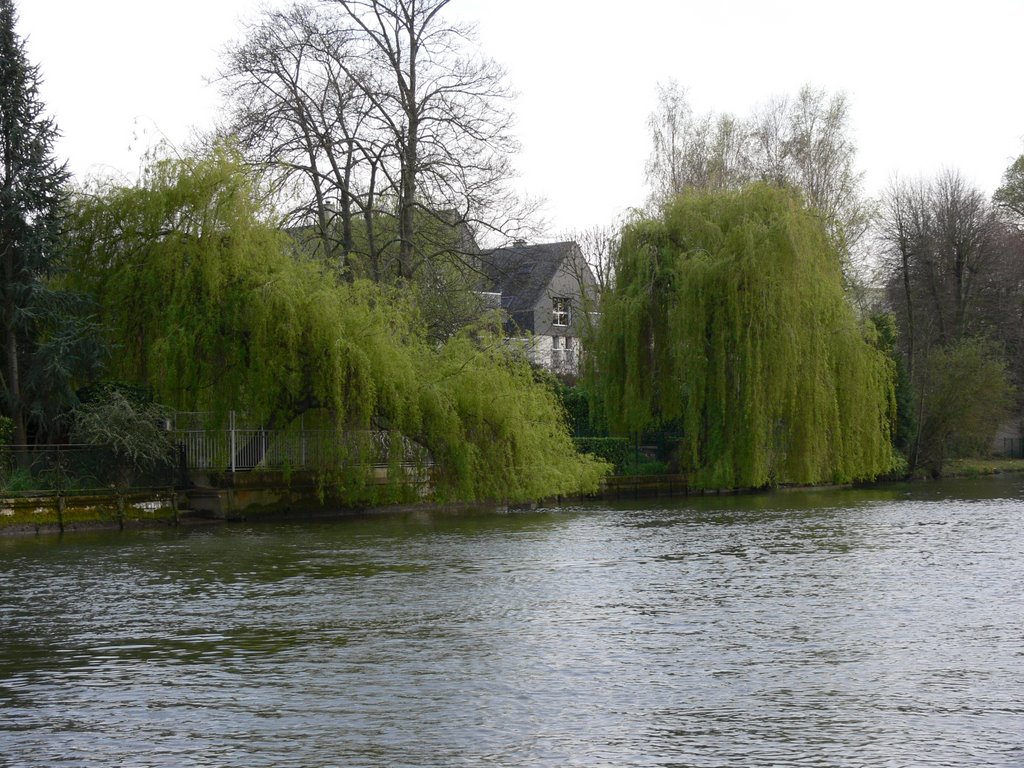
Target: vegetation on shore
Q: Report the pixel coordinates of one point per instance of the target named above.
(213, 309)
(976, 467)
(317, 256)
(728, 319)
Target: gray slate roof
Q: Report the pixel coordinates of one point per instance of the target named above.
(522, 272)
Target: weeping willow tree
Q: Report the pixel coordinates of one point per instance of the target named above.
(214, 310)
(728, 316)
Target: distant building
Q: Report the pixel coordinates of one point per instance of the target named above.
(541, 289)
(1009, 439)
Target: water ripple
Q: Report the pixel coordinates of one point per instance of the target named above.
(867, 628)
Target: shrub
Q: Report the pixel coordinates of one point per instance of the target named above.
(617, 451)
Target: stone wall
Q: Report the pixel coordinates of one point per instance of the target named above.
(106, 510)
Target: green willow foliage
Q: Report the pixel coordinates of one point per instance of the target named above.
(728, 316)
(213, 308)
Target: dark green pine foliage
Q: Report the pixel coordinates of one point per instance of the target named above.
(42, 330)
(728, 316)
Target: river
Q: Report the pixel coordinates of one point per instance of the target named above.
(880, 627)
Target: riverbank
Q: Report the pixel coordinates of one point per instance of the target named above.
(37, 514)
(43, 513)
(983, 466)
(158, 508)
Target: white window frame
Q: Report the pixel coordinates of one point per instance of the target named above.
(560, 310)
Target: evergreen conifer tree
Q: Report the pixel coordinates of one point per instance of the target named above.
(31, 187)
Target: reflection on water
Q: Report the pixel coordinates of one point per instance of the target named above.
(861, 628)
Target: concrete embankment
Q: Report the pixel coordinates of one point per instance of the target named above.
(271, 495)
(258, 496)
(52, 512)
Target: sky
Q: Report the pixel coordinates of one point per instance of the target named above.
(931, 85)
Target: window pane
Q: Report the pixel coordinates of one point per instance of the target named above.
(560, 310)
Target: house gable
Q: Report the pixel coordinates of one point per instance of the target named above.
(542, 288)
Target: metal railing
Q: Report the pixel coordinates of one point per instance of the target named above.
(241, 450)
(68, 469)
(240, 447)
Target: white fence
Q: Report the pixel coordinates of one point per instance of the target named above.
(237, 448)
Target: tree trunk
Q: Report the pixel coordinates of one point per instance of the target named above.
(406, 226)
(910, 312)
(346, 210)
(410, 164)
(12, 376)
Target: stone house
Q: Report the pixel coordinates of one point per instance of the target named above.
(544, 290)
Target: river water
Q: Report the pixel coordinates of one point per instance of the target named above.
(851, 628)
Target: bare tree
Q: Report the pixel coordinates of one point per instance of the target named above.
(964, 248)
(669, 125)
(381, 123)
(802, 143)
(302, 120)
(1010, 195)
(903, 235)
(766, 145)
(443, 107)
(953, 277)
(598, 246)
(805, 143)
(691, 151)
(942, 245)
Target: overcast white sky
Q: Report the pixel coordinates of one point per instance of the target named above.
(932, 84)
